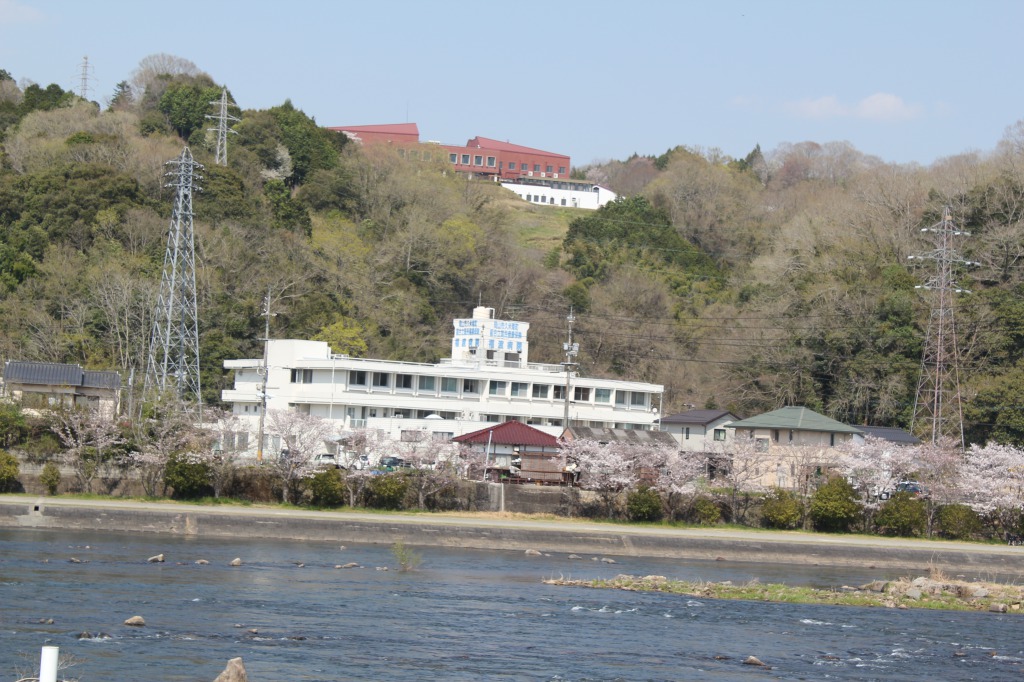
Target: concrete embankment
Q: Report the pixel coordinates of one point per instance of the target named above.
(917, 556)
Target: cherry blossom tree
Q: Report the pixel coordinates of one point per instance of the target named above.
(173, 433)
(875, 466)
(607, 469)
(89, 438)
(305, 437)
(681, 478)
(741, 465)
(992, 482)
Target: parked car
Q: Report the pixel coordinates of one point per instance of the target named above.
(326, 461)
(912, 487)
(392, 463)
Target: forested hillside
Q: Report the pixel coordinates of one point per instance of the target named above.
(748, 284)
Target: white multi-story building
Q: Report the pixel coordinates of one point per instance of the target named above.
(487, 379)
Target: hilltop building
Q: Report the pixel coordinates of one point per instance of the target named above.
(537, 176)
(488, 379)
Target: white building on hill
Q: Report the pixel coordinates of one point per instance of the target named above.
(487, 379)
(560, 192)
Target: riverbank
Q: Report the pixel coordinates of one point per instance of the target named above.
(935, 592)
(498, 532)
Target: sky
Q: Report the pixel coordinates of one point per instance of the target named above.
(908, 81)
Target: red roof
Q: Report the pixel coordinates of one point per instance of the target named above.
(385, 128)
(509, 433)
(498, 145)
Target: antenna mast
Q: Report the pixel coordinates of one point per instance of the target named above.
(223, 119)
(173, 363)
(938, 405)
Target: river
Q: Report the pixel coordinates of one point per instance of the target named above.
(461, 615)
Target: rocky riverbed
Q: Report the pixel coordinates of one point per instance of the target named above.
(932, 592)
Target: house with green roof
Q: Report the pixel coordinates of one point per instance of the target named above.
(795, 444)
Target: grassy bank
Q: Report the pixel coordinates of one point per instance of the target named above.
(935, 592)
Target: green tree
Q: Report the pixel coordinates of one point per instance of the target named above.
(50, 478)
(902, 514)
(644, 504)
(345, 337)
(781, 509)
(327, 488)
(834, 506)
(186, 102)
(9, 470)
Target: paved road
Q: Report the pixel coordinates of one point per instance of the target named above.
(576, 527)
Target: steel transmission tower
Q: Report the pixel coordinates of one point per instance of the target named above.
(223, 119)
(173, 364)
(85, 77)
(938, 406)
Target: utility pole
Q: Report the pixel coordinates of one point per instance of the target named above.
(223, 119)
(265, 371)
(571, 351)
(173, 362)
(938, 405)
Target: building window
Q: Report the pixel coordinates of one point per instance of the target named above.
(761, 445)
(831, 439)
(442, 436)
(380, 379)
(449, 385)
(453, 157)
(491, 161)
(561, 170)
(791, 435)
(411, 436)
(520, 389)
(540, 390)
(465, 159)
(523, 166)
(302, 376)
(426, 383)
(548, 169)
(638, 399)
(581, 394)
(469, 385)
(559, 392)
(563, 202)
(720, 434)
(478, 160)
(492, 418)
(686, 433)
(775, 435)
(602, 395)
(357, 377)
(620, 398)
(497, 388)
(403, 381)
(536, 168)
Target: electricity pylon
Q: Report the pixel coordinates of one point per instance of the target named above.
(223, 119)
(938, 405)
(173, 364)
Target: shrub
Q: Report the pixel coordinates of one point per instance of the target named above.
(644, 504)
(387, 492)
(9, 471)
(902, 514)
(706, 511)
(834, 506)
(407, 559)
(189, 479)
(781, 509)
(50, 478)
(959, 522)
(327, 488)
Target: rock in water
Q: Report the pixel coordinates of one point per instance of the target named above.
(236, 562)
(752, 660)
(532, 552)
(158, 559)
(135, 621)
(234, 672)
(201, 562)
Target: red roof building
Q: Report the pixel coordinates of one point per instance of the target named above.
(510, 433)
(481, 156)
(389, 133)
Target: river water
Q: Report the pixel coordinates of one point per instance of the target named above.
(461, 615)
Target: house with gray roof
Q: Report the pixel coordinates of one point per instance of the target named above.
(53, 384)
(794, 445)
(696, 430)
